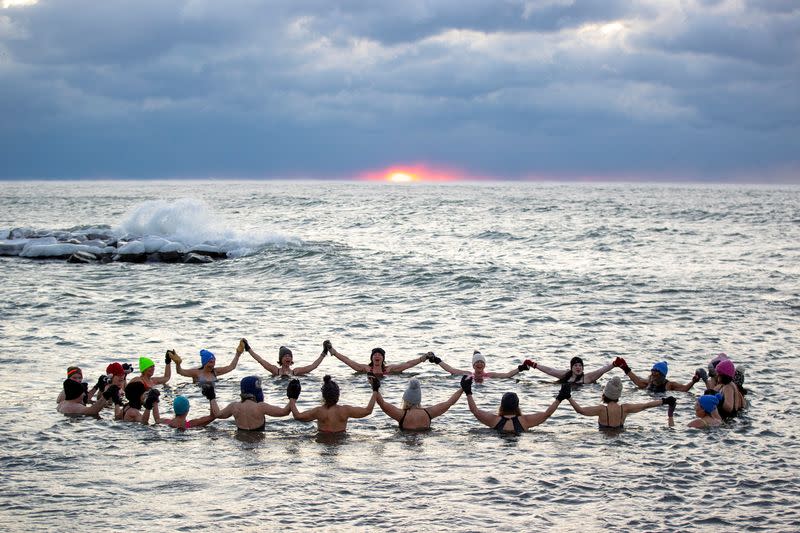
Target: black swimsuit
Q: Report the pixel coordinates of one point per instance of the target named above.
(514, 420)
(653, 387)
(405, 412)
(605, 426)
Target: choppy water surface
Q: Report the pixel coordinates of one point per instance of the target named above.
(533, 270)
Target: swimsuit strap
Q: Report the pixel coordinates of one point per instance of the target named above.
(517, 425)
(405, 412)
(429, 416)
(501, 423)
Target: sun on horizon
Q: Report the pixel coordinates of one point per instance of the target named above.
(412, 174)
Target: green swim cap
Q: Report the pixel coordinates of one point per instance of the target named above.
(145, 363)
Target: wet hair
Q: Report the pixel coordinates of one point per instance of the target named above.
(509, 405)
(383, 353)
(330, 391)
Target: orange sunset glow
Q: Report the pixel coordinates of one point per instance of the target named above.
(412, 174)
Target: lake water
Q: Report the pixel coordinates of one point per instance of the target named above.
(540, 271)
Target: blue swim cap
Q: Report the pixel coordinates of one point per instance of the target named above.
(661, 367)
(251, 389)
(708, 402)
(205, 357)
(180, 405)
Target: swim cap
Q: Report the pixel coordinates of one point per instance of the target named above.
(330, 391)
(251, 389)
(115, 369)
(378, 350)
(133, 392)
(708, 402)
(661, 367)
(712, 365)
(477, 356)
(72, 370)
(413, 394)
(613, 389)
(575, 360)
(145, 363)
(180, 405)
(73, 389)
(509, 403)
(205, 357)
(726, 368)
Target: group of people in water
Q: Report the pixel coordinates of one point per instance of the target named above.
(137, 399)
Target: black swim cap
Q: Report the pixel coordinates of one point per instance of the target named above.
(72, 389)
(133, 392)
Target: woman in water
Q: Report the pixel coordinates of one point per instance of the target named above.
(208, 373)
(509, 418)
(574, 375)
(377, 362)
(411, 415)
(330, 416)
(139, 397)
(732, 401)
(479, 372)
(180, 406)
(72, 404)
(147, 368)
(612, 415)
(657, 381)
(251, 413)
(706, 410)
(286, 360)
(75, 374)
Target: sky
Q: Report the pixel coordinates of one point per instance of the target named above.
(630, 90)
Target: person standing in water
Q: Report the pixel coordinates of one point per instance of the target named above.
(251, 413)
(208, 372)
(72, 404)
(706, 410)
(732, 400)
(377, 362)
(180, 406)
(509, 418)
(286, 360)
(330, 416)
(575, 374)
(479, 372)
(147, 368)
(411, 415)
(657, 381)
(612, 415)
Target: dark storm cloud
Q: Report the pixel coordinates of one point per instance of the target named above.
(312, 88)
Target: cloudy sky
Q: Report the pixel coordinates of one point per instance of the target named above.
(705, 90)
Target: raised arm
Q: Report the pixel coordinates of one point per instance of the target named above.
(389, 409)
(549, 371)
(537, 418)
(205, 420)
(484, 417)
(585, 411)
(630, 408)
(187, 372)
(591, 377)
(454, 371)
(230, 366)
(442, 407)
(273, 410)
(160, 380)
(227, 412)
(639, 382)
(683, 388)
(349, 362)
(305, 416)
(361, 412)
(508, 374)
(308, 368)
(408, 364)
(96, 407)
(269, 367)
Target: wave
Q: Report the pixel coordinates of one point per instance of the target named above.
(185, 230)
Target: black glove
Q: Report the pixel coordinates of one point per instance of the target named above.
(102, 381)
(112, 394)
(326, 347)
(293, 389)
(522, 368)
(433, 359)
(127, 367)
(375, 382)
(207, 389)
(466, 385)
(246, 345)
(669, 400)
(85, 387)
(565, 393)
(152, 397)
(167, 360)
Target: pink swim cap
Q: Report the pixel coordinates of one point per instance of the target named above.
(726, 368)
